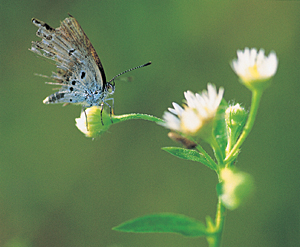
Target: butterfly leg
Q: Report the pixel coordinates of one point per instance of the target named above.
(86, 121)
(101, 113)
(111, 108)
(113, 105)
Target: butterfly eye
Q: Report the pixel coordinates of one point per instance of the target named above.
(110, 88)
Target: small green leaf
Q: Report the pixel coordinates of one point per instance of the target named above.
(210, 224)
(220, 127)
(236, 119)
(164, 223)
(188, 154)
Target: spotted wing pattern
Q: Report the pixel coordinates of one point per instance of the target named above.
(79, 70)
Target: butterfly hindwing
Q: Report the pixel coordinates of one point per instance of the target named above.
(79, 70)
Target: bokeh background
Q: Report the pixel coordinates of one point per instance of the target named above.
(59, 188)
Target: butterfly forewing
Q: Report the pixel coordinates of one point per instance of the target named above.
(79, 70)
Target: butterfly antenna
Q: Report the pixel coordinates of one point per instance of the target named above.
(141, 66)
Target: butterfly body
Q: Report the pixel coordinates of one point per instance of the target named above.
(79, 70)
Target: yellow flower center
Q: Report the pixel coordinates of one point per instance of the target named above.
(254, 72)
(252, 75)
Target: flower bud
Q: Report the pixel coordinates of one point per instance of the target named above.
(235, 117)
(235, 187)
(92, 123)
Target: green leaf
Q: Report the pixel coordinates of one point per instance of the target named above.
(188, 154)
(220, 127)
(210, 224)
(238, 129)
(164, 223)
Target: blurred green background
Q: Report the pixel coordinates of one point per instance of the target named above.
(59, 188)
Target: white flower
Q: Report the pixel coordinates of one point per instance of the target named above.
(199, 110)
(251, 65)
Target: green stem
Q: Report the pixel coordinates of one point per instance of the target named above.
(220, 220)
(256, 96)
(215, 239)
(125, 117)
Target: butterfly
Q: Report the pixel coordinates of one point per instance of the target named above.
(79, 70)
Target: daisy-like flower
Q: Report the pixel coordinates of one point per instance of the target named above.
(254, 68)
(90, 122)
(200, 109)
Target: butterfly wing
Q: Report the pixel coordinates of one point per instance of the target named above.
(78, 66)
